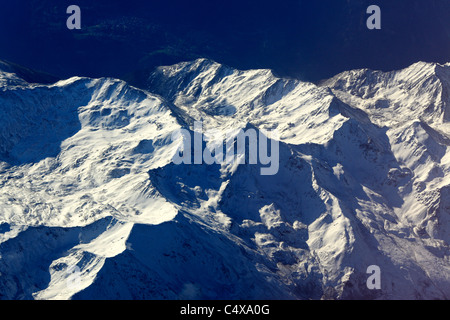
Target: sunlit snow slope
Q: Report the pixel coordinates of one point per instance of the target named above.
(87, 183)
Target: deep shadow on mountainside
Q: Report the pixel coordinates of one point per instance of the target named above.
(309, 40)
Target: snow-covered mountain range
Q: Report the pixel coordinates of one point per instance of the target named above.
(92, 206)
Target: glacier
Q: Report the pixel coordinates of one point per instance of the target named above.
(87, 181)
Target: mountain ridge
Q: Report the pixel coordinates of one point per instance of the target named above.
(356, 187)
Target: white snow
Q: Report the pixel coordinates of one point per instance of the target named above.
(91, 205)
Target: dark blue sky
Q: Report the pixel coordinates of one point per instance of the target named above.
(311, 39)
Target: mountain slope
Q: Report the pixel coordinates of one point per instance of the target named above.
(364, 163)
(91, 197)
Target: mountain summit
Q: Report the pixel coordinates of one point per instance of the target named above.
(93, 207)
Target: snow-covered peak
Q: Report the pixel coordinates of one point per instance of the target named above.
(89, 188)
(380, 134)
(10, 71)
(226, 98)
(418, 91)
(72, 138)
